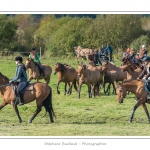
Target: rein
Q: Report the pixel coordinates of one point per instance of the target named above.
(4, 85)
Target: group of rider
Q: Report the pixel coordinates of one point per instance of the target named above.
(104, 52)
(145, 59)
(21, 76)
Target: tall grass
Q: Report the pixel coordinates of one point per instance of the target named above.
(98, 116)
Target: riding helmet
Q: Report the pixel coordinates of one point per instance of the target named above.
(146, 58)
(19, 58)
(32, 49)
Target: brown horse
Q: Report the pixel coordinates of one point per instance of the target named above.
(110, 77)
(138, 89)
(132, 73)
(39, 91)
(91, 76)
(121, 75)
(34, 71)
(66, 74)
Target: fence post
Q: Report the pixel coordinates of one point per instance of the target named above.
(40, 52)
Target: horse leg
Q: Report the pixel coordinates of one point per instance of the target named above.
(70, 88)
(146, 111)
(134, 109)
(89, 91)
(47, 79)
(108, 88)
(114, 89)
(3, 105)
(57, 86)
(65, 88)
(35, 114)
(104, 87)
(79, 90)
(17, 112)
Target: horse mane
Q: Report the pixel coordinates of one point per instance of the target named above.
(62, 66)
(3, 77)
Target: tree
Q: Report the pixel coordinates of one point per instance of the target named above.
(8, 28)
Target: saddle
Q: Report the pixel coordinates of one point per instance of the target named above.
(28, 87)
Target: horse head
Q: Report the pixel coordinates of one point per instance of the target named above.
(29, 63)
(81, 68)
(59, 67)
(121, 92)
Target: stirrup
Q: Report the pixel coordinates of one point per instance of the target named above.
(20, 104)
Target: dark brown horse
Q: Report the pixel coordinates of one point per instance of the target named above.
(40, 92)
(138, 89)
(34, 71)
(66, 74)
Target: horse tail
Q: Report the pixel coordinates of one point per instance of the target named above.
(47, 103)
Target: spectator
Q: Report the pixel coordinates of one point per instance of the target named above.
(109, 50)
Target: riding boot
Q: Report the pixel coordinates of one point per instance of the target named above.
(43, 72)
(21, 99)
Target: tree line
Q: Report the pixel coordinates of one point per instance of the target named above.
(59, 34)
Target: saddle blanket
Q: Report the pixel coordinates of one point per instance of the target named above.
(29, 87)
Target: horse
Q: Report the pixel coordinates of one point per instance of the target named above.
(83, 52)
(38, 91)
(127, 59)
(121, 75)
(138, 89)
(91, 76)
(34, 71)
(109, 77)
(66, 74)
(132, 73)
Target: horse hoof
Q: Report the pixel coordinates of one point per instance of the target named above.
(20, 121)
(58, 92)
(29, 121)
(129, 121)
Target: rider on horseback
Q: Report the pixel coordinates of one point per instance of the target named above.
(146, 73)
(21, 78)
(36, 58)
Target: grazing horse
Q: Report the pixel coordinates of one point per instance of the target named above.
(40, 92)
(34, 71)
(138, 89)
(66, 74)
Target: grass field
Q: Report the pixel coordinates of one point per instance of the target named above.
(99, 116)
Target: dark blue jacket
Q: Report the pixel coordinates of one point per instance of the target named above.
(109, 49)
(21, 75)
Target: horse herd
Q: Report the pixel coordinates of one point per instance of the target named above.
(93, 76)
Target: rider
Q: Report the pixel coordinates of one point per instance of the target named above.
(146, 72)
(36, 58)
(109, 50)
(21, 78)
(96, 58)
(142, 52)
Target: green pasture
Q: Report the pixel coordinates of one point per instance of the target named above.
(98, 116)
